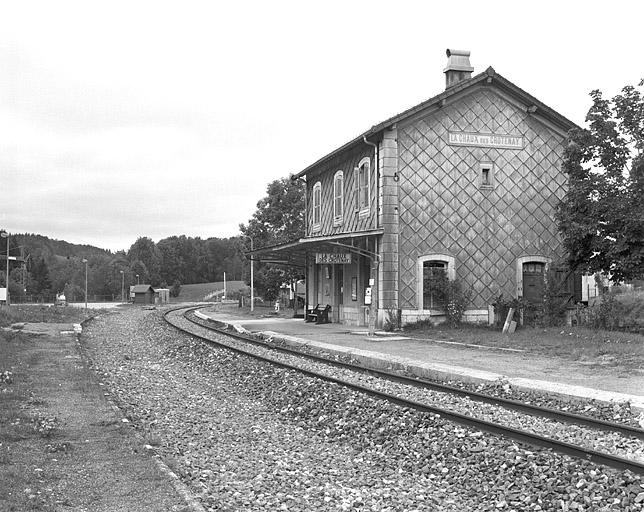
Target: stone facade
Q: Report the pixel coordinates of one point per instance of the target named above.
(467, 181)
(445, 209)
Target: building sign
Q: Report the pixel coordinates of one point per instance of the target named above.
(338, 258)
(485, 140)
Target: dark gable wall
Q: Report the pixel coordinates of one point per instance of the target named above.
(443, 209)
(346, 162)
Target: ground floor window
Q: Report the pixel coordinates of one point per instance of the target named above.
(434, 272)
(432, 268)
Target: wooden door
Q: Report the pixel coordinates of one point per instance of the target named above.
(533, 281)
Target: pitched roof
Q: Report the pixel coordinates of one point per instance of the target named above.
(142, 288)
(489, 75)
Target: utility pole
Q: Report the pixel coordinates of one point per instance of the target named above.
(5, 234)
(85, 261)
(252, 277)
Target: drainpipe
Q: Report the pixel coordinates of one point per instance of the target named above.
(373, 308)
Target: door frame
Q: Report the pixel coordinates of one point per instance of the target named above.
(519, 270)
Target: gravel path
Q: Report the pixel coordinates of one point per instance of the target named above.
(247, 436)
(613, 443)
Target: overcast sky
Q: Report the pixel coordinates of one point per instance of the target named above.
(128, 119)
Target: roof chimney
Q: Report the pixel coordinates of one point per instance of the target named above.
(458, 67)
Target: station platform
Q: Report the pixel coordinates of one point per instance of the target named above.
(447, 360)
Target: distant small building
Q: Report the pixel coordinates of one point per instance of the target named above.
(162, 295)
(143, 294)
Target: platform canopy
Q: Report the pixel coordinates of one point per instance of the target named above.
(294, 253)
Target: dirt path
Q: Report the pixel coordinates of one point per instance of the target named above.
(62, 446)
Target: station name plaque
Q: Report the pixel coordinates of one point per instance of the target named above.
(485, 140)
(337, 258)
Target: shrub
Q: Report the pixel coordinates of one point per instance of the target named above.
(554, 306)
(453, 298)
(175, 290)
(608, 314)
(393, 320)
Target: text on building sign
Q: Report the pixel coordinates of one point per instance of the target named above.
(485, 140)
(340, 258)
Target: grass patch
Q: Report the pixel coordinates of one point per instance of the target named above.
(612, 348)
(198, 291)
(633, 304)
(61, 445)
(36, 313)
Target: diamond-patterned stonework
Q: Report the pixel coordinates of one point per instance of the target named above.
(444, 210)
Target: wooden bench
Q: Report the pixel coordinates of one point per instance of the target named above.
(319, 314)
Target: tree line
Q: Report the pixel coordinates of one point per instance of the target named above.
(53, 266)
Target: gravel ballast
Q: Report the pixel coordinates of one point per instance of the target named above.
(244, 435)
(613, 443)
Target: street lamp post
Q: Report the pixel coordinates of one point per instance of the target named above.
(137, 279)
(252, 276)
(122, 287)
(5, 234)
(85, 261)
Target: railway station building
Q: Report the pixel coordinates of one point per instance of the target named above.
(466, 182)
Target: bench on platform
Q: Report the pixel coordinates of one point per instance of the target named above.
(319, 314)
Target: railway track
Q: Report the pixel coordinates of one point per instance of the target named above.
(571, 434)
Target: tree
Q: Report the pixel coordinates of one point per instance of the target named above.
(601, 217)
(175, 289)
(145, 260)
(279, 218)
(40, 284)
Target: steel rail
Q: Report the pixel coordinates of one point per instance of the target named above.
(510, 432)
(484, 425)
(545, 412)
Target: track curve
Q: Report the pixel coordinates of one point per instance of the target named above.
(177, 318)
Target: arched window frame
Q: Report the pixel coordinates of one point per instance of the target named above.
(338, 198)
(363, 186)
(317, 206)
(451, 275)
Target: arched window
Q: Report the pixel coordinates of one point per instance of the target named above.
(363, 188)
(317, 205)
(338, 198)
(431, 269)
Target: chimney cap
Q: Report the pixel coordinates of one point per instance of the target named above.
(458, 60)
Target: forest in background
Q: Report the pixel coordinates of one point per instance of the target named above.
(55, 266)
